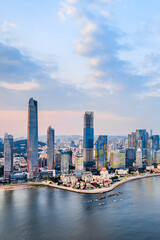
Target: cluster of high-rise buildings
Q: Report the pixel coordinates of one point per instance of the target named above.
(138, 150)
(143, 148)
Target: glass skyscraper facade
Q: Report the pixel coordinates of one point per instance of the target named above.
(32, 138)
(101, 152)
(65, 159)
(8, 155)
(88, 139)
(50, 148)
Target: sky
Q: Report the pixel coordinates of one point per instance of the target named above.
(74, 56)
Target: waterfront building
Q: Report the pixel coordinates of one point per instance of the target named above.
(87, 176)
(8, 155)
(130, 157)
(69, 152)
(156, 157)
(47, 173)
(88, 139)
(150, 168)
(50, 148)
(65, 159)
(42, 162)
(57, 160)
(139, 163)
(79, 164)
(150, 151)
(117, 159)
(155, 142)
(18, 176)
(101, 152)
(121, 171)
(32, 138)
(153, 146)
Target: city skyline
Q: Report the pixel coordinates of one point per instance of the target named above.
(102, 59)
(79, 119)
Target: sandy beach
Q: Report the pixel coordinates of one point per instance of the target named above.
(14, 186)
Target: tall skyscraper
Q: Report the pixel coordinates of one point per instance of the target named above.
(101, 152)
(130, 157)
(50, 148)
(139, 139)
(65, 159)
(8, 155)
(132, 140)
(155, 142)
(139, 163)
(32, 138)
(88, 139)
(141, 133)
(57, 160)
(117, 158)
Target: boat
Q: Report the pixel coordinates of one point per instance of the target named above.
(100, 198)
(112, 195)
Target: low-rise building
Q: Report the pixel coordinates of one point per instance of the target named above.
(87, 176)
(149, 168)
(121, 171)
(18, 176)
(69, 178)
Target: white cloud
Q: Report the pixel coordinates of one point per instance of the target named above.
(7, 25)
(93, 62)
(94, 82)
(89, 28)
(67, 9)
(61, 15)
(25, 86)
(105, 14)
(154, 93)
(81, 49)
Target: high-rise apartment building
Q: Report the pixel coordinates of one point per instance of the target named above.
(156, 157)
(132, 140)
(139, 163)
(88, 139)
(101, 152)
(143, 135)
(155, 139)
(8, 155)
(57, 160)
(50, 148)
(139, 139)
(130, 157)
(117, 158)
(32, 138)
(65, 159)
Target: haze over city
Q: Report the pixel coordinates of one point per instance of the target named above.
(73, 56)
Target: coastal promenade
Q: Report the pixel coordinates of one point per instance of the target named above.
(94, 191)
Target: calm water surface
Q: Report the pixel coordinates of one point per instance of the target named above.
(47, 213)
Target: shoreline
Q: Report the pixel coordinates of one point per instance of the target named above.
(14, 186)
(97, 190)
(93, 191)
